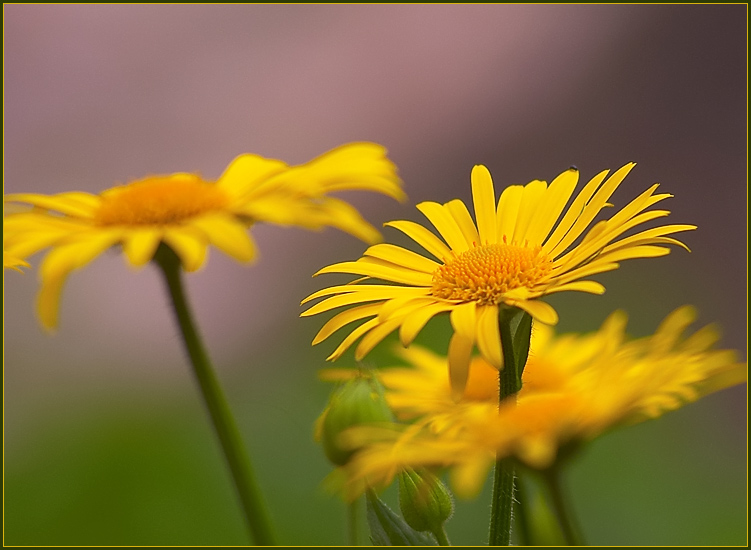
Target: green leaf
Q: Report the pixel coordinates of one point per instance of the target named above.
(388, 529)
(521, 330)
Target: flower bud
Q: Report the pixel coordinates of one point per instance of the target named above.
(425, 502)
(356, 402)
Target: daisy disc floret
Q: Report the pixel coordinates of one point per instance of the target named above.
(515, 251)
(188, 213)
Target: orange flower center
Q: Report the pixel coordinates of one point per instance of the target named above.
(485, 273)
(159, 200)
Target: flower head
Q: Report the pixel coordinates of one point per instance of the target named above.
(188, 213)
(575, 388)
(512, 254)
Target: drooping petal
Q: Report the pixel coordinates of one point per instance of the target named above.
(58, 264)
(488, 335)
(542, 311)
(189, 245)
(140, 245)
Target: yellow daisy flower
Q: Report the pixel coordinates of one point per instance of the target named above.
(188, 213)
(512, 254)
(575, 388)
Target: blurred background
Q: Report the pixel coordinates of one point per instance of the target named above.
(105, 439)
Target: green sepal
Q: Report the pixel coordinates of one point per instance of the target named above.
(388, 529)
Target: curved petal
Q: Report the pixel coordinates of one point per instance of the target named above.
(538, 309)
(58, 264)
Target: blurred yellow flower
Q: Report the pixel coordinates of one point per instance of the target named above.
(188, 213)
(511, 255)
(575, 388)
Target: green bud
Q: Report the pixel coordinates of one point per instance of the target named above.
(356, 402)
(425, 501)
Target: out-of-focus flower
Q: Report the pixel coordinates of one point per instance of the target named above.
(575, 388)
(188, 213)
(512, 254)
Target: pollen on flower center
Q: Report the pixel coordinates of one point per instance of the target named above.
(159, 200)
(484, 273)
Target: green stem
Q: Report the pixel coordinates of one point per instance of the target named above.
(441, 537)
(563, 509)
(224, 424)
(352, 523)
(515, 347)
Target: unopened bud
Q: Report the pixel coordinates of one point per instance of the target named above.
(425, 501)
(356, 402)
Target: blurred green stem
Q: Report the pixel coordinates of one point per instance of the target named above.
(515, 327)
(221, 417)
(562, 507)
(352, 523)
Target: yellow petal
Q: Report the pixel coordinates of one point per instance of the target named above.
(555, 243)
(403, 257)
(423, 237)
(483, 197)
(228, 235)
(349, 340)
(344, 318)
(190, 246)
(459, 212)
(508, 210)
(58, 264)
(372, 338)
(415, 321)
(464, 320)
(446, 225)
(488, 335)
(372, 268)
(75, 203)
(247, 172)
(555, 199)
(139, 245)
(540, 310)
(530, 202)
(460, 354)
